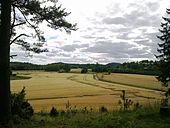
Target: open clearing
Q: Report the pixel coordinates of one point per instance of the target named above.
(47, 89)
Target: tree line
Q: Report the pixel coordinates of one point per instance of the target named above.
(145, 67)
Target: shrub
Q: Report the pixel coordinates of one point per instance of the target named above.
(20, 106)
(62, 113)
(137, 106)
(125, 103)
(103, 109)
(54, 112)
(84, 70)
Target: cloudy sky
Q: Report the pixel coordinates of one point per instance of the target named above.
(108, 31)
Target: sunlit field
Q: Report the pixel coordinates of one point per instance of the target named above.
(47, 89)
(143, 81)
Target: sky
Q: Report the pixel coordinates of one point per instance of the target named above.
(108, 31)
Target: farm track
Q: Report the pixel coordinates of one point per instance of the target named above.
(107, 83)
(130, 85)
(92, 84)
(62, 97)
(78, 96)
(46, 89)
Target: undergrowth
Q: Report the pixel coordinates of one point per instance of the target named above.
(146, 117)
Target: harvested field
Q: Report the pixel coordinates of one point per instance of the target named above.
(47, 89)
(142, 81)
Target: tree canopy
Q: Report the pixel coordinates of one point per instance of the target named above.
(29, 14)
(164, 50)
(24, 14)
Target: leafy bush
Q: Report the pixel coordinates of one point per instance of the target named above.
(84, 70)
(125, 103)
(54, 112)
(20, 106)
(103, 109)
(62, 113)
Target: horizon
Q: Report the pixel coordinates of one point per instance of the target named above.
(75, 63)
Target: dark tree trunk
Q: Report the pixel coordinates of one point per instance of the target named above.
(4, 61)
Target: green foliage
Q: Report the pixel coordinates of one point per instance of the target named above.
(32, 13)
(53, 112)
(144, 67)
(125, 103)
(20, 106)
(133, 119)
(103, 109)
(19, 77)
(164, 50)
(25, 66)
(84, 70)
(58, 67)
(62, 113)
(137, 106)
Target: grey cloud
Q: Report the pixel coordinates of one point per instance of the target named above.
(116, 20)
(136, 18)
(58, 53)
(94, 36)
(73, 47)
(153, 6)
(141, 15)
(116, 49)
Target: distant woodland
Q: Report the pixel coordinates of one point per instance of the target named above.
(144, 67)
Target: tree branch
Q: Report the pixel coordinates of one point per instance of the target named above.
(12, 56)
(17, 38)
(33, 26)
(19, 24)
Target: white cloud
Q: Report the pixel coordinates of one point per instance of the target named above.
(109, 31)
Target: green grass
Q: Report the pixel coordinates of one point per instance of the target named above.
(145, 117)
(19, 77)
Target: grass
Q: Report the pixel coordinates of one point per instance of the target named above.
(46, 89)
(19, 77)
(148, 117)
(142, 81)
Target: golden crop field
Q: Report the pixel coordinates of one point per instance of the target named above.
(143, 81)
(47, 89)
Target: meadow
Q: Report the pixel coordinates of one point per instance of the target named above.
(47, 89)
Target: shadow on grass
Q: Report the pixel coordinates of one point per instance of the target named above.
(19, 77)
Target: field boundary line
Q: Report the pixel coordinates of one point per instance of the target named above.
(62, 97)
(131, 85)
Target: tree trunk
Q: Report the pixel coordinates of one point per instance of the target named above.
(4, 61)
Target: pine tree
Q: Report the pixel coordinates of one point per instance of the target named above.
(164, 50)
(28, 13)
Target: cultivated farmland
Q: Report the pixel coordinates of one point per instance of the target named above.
(47, 89)
(142, 81)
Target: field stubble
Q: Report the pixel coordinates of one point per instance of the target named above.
(47, 89)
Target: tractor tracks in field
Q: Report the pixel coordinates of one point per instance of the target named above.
(63, 97)
(72, 78)
(129, 89)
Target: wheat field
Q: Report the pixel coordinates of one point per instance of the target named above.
(47, 89)
(143, 81)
